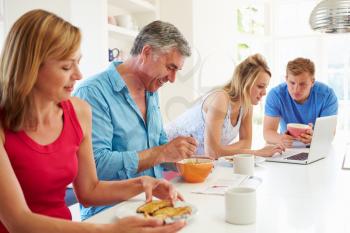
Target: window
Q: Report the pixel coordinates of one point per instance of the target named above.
(252, 36)
(330, 53)
(250, 29)
(280, 31)
(250, 19)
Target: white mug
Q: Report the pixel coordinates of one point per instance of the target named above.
(244, 164)
(240, 205)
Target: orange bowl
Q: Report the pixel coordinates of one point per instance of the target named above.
(195, 169)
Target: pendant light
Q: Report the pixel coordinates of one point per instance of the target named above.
(331, 16)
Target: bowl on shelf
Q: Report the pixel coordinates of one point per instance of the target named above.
(125, 21)
(195, 169)
(111, 20)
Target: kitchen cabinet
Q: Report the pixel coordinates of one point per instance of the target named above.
(125, 19)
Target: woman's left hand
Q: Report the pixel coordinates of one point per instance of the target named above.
(270, 150)
(159, 188)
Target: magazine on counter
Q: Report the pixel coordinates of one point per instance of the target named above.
(220, 186)
(346, 162)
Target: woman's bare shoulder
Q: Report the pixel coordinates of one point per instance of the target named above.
(80, 106)
(218, 100)
(82, 110)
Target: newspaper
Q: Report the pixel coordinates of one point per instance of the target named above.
(220, 186)
(346, 162)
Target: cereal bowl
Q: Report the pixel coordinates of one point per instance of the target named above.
(195, 169)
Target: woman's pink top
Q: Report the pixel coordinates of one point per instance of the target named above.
(44, 171)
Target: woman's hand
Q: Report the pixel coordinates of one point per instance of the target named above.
(269, 151)
(159, 188)
(286, 140)
(137, 224)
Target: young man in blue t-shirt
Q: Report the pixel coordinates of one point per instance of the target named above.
(300, 99)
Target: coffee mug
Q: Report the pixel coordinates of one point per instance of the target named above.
(296, 129)
(244, 164)
(113, 54)
(240, 205)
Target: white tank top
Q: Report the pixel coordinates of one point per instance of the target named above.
(192, 122)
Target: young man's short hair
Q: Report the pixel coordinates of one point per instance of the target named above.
(300, 65)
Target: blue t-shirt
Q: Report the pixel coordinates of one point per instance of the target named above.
(322, 101)
(118, 128)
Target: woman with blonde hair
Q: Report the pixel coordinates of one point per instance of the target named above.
(46, 137)
(223, 114)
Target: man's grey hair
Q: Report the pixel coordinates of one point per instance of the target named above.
(162, 37)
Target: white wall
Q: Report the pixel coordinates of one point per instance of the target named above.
(176, 97)
(15, 8)
(90, 16)
(214, 23)
(208, 26)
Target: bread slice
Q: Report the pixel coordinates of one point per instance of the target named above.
(172, 212)
(151, 207)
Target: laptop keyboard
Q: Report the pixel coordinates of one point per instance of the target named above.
(300, 156)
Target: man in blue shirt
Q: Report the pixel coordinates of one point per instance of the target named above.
(300, 100)
(127, 131)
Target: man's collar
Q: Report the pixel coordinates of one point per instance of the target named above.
(114, 76)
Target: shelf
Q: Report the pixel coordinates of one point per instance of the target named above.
(133, 5)
(120, 31)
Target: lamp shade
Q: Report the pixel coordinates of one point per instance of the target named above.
(331, 16)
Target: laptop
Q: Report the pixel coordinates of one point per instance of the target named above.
(320, 146)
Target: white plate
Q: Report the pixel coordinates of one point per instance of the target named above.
(128, 208)
(229, 159)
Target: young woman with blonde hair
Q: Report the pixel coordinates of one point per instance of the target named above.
(225, 113)
(45, 137)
